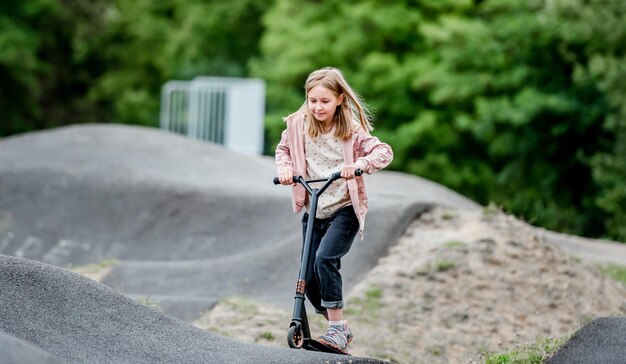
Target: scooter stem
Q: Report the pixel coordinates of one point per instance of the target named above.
(299, 313)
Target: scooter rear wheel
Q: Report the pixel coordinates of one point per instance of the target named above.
(294, 337)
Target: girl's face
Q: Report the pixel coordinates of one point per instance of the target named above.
(322, 103)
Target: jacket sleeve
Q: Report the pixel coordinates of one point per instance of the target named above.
(282, 154)
(372, 155)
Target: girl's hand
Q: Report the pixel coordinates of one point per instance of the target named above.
(286, 177)
(347, 171)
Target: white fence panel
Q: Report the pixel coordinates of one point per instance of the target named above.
(222, 110)
(174, 106)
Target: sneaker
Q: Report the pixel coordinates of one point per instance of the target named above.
(347, 332)
(335, 339)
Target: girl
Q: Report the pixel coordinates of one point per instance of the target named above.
(330, 133)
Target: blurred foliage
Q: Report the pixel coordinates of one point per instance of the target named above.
(42, 83)
(517, 102)
(78, 61)
(507, 101)
(150, 42)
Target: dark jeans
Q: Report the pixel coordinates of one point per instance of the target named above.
(332, 239)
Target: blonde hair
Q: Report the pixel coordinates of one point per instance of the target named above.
(352, 108)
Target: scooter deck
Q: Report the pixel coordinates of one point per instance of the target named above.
(314, 345)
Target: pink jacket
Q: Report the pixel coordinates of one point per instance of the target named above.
(364, 150)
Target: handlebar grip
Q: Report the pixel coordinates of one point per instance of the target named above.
(337, 175)
(296, 179)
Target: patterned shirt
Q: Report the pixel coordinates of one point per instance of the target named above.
(324, 156)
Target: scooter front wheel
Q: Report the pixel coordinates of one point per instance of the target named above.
(294, 337)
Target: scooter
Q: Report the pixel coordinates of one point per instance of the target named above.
(299, 334)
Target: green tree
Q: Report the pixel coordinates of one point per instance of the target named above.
(549, 105)
(605, 67)
(374, 42)
(508, 74)
(496, 99)
(77, 61)
(43, 82)
(147, 43)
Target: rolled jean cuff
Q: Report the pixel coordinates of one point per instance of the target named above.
(333, 304)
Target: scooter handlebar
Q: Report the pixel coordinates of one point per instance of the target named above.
(334, 176)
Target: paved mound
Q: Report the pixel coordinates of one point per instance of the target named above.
(48, 313)
(601, 341)
(16, 351)
(190, 222)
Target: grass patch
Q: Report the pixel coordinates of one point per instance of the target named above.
(146, 301)
(374, 294)
(267, 336)
(444, 265)
(453, 244)
(92, 268)
(449, 215)
(617, 272)
(242, 305)
(366, 308)
(534, 353)
(491, 210)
